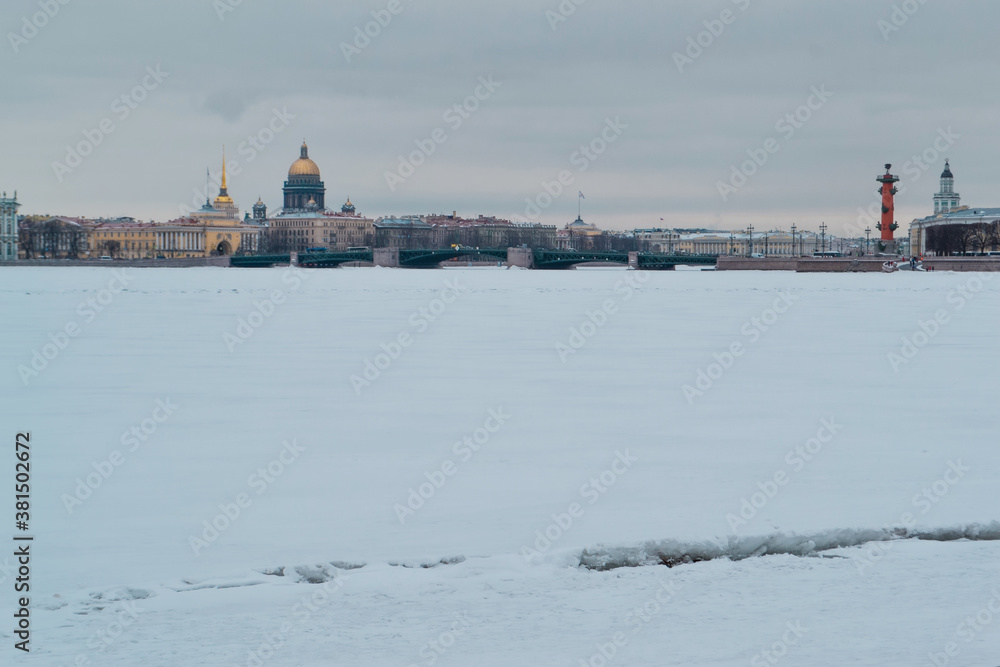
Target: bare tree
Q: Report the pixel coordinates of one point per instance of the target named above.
(964, 235)
(27, 241)
(982, 236)
(112, 248)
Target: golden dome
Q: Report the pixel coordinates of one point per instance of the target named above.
(304, 166)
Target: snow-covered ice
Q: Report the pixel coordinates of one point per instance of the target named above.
(491, 467)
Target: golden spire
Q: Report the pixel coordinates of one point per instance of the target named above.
(223, 200)
(223, 168)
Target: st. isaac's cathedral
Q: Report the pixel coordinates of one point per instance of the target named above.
(304, 222)
(304, 190)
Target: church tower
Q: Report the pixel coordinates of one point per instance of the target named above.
(947, 200)
(224, 202)
(304, 191)
(260, 212)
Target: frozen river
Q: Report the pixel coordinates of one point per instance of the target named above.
(216, 453)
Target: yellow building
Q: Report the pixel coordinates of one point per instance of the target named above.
(214, 229)
(125, 238)
(187, 237)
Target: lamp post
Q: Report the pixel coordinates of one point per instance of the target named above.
(750, 241)
(732, 243)
(868, 240)
(822, 229)
(766, 248)
(794, 229)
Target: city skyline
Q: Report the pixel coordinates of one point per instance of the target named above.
(491, 130)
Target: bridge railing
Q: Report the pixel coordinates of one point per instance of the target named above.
(335, 258)
(259, 261)
(429, 257)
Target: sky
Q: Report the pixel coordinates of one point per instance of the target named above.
(711, 114)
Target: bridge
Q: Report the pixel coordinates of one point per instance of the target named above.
(431, 258)
(259, 261)
(523, 257)
(567, 259)
(650, 261)
(331, 260)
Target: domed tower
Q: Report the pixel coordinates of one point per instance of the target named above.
(259, 211)
(947, 200)
(347, 208)
(304, 184)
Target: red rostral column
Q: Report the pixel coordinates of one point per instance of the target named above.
(888, 192)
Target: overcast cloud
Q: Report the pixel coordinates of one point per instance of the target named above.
(889, 97)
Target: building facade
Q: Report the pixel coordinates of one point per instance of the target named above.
(53, 238)
(657, 240)
(954, 228)
(125, 238)
(488, 232)
(578, 235)
(404, 233)
(446, 231)
(8, 228)
(964, 231)
(302, 231)
(774, 243)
